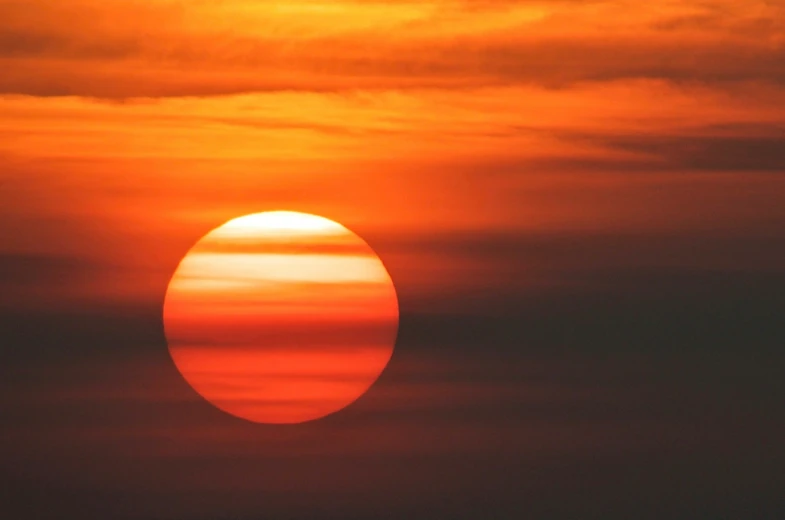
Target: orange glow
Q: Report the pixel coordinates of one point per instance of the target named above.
(281, 317)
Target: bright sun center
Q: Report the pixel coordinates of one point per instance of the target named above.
(281, 317)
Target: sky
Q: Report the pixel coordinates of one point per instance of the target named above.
(580, 203)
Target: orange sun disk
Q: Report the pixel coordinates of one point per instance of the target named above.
(281, 317)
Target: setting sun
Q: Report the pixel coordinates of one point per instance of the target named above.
(281, 317)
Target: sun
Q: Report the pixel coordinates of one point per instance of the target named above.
(281, 317)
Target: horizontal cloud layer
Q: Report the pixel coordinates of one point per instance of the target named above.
(169, 48)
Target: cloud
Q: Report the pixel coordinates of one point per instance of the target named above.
(161, 49)
(731, 147)
(126, 437)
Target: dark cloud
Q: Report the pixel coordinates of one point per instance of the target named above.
(540, 291)
(552, 64)
(649, 363)
(731, 147)
(710, 153)
(125, 437)
(38, 268)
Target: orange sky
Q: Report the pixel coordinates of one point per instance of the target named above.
(581, 205)
(127, 129)
(165, 47)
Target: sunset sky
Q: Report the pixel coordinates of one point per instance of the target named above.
(581, 205)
